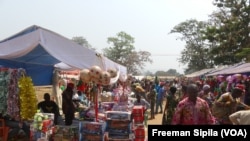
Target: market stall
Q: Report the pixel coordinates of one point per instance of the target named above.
(110, 117)
(42, 53)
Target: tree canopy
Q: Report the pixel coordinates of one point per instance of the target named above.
(122, 51)
(221, 40)
(82, 41)
(195, 53)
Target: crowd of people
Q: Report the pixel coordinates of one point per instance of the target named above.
(188, 102)
(198, 102)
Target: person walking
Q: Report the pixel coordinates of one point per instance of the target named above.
(207, 95)
(152, 98)
(159, 98)
(192, 110)
(170, 106)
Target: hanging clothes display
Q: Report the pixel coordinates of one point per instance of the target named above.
(4, 78)
(9, 91)
(13, 100)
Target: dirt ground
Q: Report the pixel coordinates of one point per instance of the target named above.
(158, 118)
(156, 121)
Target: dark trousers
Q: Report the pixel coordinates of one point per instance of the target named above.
(158, 104)
(152, 106)
(69, 118)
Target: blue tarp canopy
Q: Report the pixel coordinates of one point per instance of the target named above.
(39, 51)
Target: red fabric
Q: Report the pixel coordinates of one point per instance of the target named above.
(81, 88)
(240, 86)
(70, 85)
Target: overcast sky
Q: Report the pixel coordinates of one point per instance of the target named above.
(148, 21)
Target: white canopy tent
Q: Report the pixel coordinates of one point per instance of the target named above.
(233, 69)
(39, 49)
(199, 73)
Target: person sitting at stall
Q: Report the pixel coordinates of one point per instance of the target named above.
(49, 106)
(80, 96)
(76, 99)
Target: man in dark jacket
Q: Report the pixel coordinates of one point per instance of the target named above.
(67, 104)
(49, 106)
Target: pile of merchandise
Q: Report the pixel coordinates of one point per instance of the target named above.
(91, 131)
(110, 116)
(138, 122)
(42, 126)
(43, 129)
(67, 133)
(119, 125)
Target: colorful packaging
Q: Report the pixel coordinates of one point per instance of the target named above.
(35, 135)
(92, 127)
(138, 120)
(138, 111)
(91, 137)
(118, 115)
(139, 132)
(66, 131)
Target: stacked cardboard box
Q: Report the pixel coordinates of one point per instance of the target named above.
(138, 123)
(91, 131)
(119, 126)
(65, 133)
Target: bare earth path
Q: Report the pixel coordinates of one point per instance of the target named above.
(157, 120)
(158, 117)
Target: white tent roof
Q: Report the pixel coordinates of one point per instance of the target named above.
(37, 45)
(233, 69)
(199, 73)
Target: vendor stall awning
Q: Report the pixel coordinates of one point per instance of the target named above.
(39, 51)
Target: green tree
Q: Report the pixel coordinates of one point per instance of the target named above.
(172, 72)
(229, 32)
(161, 73)
(149, 73)
(122, 51)
(82, 41)
(196, 53)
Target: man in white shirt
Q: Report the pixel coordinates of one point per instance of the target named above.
(241, 117)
